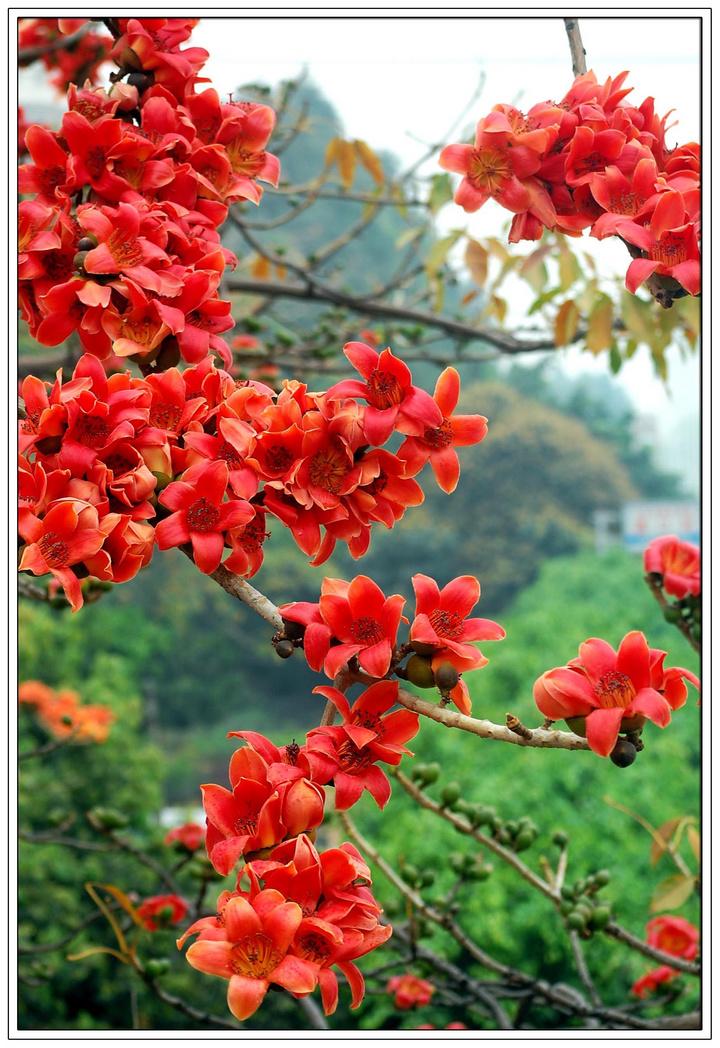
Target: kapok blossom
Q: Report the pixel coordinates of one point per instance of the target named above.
(442, 630)
(678, 563)
(613, 691)
(674, 935)
(346, 753)
(410, 991)
(252, 951)
(189, 836)
(437, 444)
(161, 911)
(391, 396)
(359, 616)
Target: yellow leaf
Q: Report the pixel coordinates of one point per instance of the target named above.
(476, 259)
(331, 152)
(439, 251)
(566, 323)
(497, 307)
(92, 950)
(260, 269)
(346, 162)
(468, 297)
(661, 837)
(123, 900)
(569, 269)
(672, 893)
(369, 160)
(280, 272)
(694, 841)
(600, 325)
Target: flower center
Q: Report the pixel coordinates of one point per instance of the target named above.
(228, 454)
(328, 468)
(366, 631)
(384, 390)
(124, 249)
(142, 329)
(350, 758)
(255, 956)
(489, 169)
(95, 161)
(670, 250)
(58, 264)
(313, 948)
(118, 464)
(244, 162)
(624, 204)
(202, 516)
(246, 826)
(440, 437)
(378, 485)
(165, 416)
(278, 458)
(92, 431)
(447, 623)
(614, 689)
(51, 178)
(54, 550)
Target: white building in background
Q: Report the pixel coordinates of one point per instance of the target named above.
(634, 524)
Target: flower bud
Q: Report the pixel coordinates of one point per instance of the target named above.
(524, 840)
(623, 754)
(419, 672)
(107, 818)
(284, 648)
(560, 839)
(575, 920)
(600, 918)
(157, 966)
(446, 676)
(432, 772)
(79, 259)
(449, 794)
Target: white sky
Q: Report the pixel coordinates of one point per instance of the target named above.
(395, 81)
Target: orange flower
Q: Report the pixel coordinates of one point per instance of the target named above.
(677, 562)
(410, 991)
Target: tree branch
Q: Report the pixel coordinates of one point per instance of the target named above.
(577, 51)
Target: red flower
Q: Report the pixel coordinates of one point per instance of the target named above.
(674, 935)
(389, 392)
(495, 166)
(256, 813)
(160, 911)
(410, 991)
(678, 562)
(441, 620)
(437, 444)
(252, 951)
(189, 836)
(614, 691)
(669, 243)
(623, 196)
(200, 515)
(364, 620)
(347, 753)
(68, 534)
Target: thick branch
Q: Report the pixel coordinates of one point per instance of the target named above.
(318, 292)
(540, 737)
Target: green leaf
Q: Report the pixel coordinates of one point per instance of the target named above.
(441, 192)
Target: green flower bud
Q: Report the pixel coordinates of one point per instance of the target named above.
(524, 840)
(157, 966)
(575, 920)
(449, 794)
(107, 818)
(419, 672)
(560, 838)
(600, 918)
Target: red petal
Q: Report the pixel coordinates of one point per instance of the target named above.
(650, 703)
(633, 658)
(601, 727)
(460, 595)
(244, 995)
(210, 957)
(447, 391)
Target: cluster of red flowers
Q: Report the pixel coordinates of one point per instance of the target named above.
(673, 935)
(102, 456)
(591, 161)
(612, 692)
(70, 62)
(355, 621)
(278, 792)
(64, 715)
(294, 916)
(677, 564)
(119, 240)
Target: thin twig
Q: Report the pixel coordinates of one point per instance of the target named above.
(577, 51)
